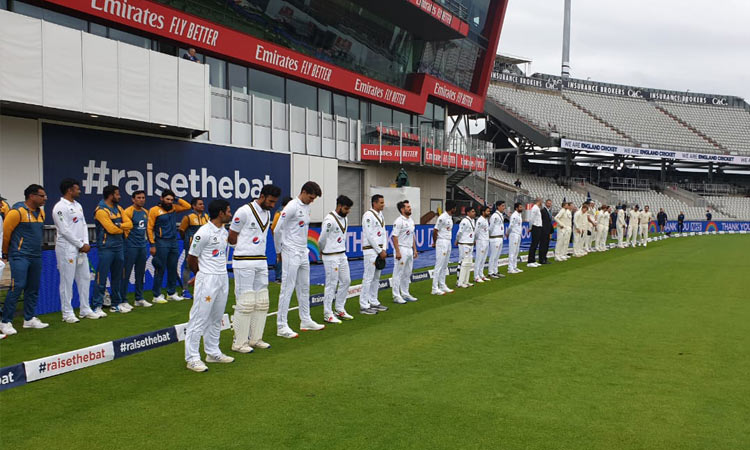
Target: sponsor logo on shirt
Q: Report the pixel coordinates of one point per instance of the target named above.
(339, 240)
(256, 240)
(301, 223)
(379, 233)
(236, 220)
(75, 219)
(215, 253)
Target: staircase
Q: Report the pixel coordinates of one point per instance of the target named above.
(456, 177)
(471, 194)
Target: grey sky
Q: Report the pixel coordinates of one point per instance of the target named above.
(703, 46)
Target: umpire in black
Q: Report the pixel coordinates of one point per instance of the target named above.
(546, 231)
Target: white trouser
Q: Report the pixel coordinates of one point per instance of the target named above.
(578, 243)
(251, 277)
(602, 238)
(643, 233)
(209, 302)
(73, 266)
(465, 264)
(483, 248)
(562, 242)
(496, 248)
(620, 234)
(587, 237)
(250, 282)
(295, 275)
(632, 233)
(514, 247)
(402, 272)
(442, 258)
(337, 275)
(370, 281)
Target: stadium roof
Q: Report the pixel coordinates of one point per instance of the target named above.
(510, 59)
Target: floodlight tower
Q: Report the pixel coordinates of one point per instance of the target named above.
(566, 41)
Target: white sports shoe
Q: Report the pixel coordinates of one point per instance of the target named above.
(446, 289)
(89, 315)
(98, 311)
(119, 309)
(437, 292)
(410, 298)
(311, 326)
(175, 297)
(262, 345)
(286, 332)
(143, 303)
(7, 329)
(34, 323)
(220, 358)
(478, 280)
(3, 336)
(399, 300)
(196, 365)
(343, 315)
(160, 299)
(241, 349)
(126, 305)
(71, 319)
(330, 318)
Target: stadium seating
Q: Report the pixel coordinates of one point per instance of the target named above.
(736, 207)
(545, 188)
(729, 126)
(672, 206)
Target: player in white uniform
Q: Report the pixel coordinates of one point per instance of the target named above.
(497, 232)
(591, 228)
(562, 218)
(291, 235)
(621, 226)
(634, 216)
(441, 240)
(375, 238)
(404, 254)
(207, 258)
(645, 221)
(465, 243)
(71, 248)
(515, 227)
(580, 221)
(602, 225)
(481, 243)
(248, 232)
(332, 242)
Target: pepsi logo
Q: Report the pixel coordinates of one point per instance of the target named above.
(236, 220)
(256, 240)
(408, 232)
(339, 240)
(379, 233)
(75, 219)
(215, 253)
(301, 223)
(283, 214)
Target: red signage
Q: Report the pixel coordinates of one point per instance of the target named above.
(391, 153)
(441, 14)
(199, 33)
(435, 157)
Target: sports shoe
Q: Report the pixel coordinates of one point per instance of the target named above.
(220, 358)
(446, 289)
(98, 311)
(470, 284)
(399, 300)
(378, 307)
(462, 286)
(119, 309)
(343, 315)
(3, 336)
(143, 303)
(437, 292)
(126, 305)
(478, 280)
(188, 296)
(311, 326)
(71, 319)
(241, 348)
(286, 332)
(367, 311)
(175, 298)
(89, 315)
(533, 265)
(160, 299)
(34, 323)
(107, 301)
(330, 318)
(262, 345)
(486, 279)
(410, 298)
(196, 365)
(7, 329)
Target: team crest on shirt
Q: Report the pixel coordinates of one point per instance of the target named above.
(300, 213)
(70, 261)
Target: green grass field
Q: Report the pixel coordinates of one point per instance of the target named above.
(630, 349)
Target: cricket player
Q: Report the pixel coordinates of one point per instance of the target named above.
(497, 232)
(291, 235)
(375, 244)
(621, 226)
(515, 227)
(404, 254)
(111, 225)
(465, 243)
(634, 218)
(23, 231)
(563, 232)
(332, 244)
(580, 223)
(248, 232)
(71, 249)
(162, 235)
(441, 240)
(645, 221)
(136, 248)
(481, 243)
(188, 227)
(591, 228)
(602, 228)
(207, 258)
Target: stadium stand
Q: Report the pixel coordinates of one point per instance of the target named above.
(672, 206)
(730, 127)
(738, 208)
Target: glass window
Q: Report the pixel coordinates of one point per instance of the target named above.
(3, 4)
(185, 54)
(401, 118)
(352, 108)
(364, 112)
(49, 16)
(238, 78)
(302, 95)
(381, 114)
(167, 49)
(129, 38)
(324, 101)
(439, 117)
(266, 85)
(217, 73)
(99, 30)
(339, 105)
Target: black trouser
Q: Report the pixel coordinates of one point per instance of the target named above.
(536, 234)
(543, 246)
(679, 227)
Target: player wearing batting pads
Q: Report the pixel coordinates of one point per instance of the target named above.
(374, 249)
(645, 220)
(71, 248)
(404, 254)
(621, 226)
(291, 235)
(465, 242)
(482, 243)
(332, 244)
(562, 218)
(207, 258)
(248, 232)
(497, 232)
(441, 240)
(515, 227)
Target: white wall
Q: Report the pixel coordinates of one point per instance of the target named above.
(323, 171)
(431, 183)
(19, 156)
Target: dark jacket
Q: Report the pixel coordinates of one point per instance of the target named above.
(546, 220)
